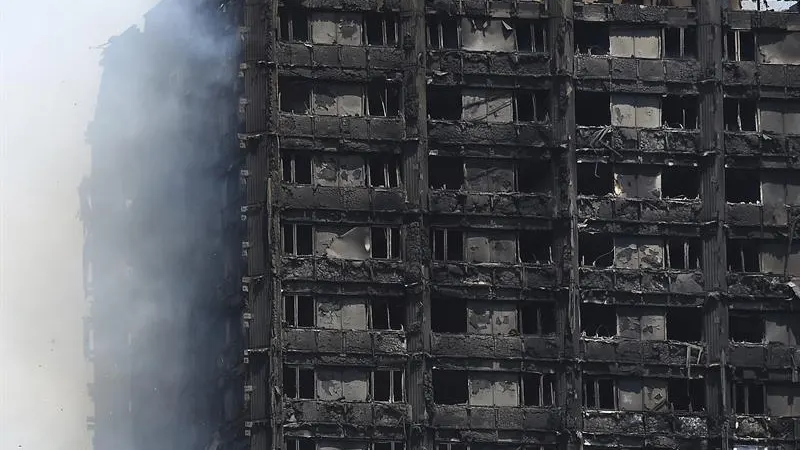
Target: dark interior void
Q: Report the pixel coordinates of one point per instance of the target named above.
(680, 182)
(679, 111)
(296, 167)
(388, 314)
(450, 387)
(598, 320)
(591, 38)
(536, 247)
(680, 42)
(537, 318)
(595, 178)
(685, 324)
(385, 242)
(387, 385)
(442, 32)
(748, 398)
(538, 389)
(534, 176)
(740, 45)
(298, 239)
(444, 103)
(746, 326)
(448, 245)
(742, 186)
(293, 24)
(742, 256)
(598, 393)
(592, 109)
(684, 254)
(596, 250)
(445, 172)
(532, 106)
(739, 114)
(687, 395)
(298, 310)
(383, 98)
(298, 382)
(295, 96)
(531, 35)
(448, 315)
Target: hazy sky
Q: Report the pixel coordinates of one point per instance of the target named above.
(49, 76)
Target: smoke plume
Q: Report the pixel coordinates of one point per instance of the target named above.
(134, 225)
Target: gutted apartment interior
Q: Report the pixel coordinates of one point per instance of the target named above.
(520, 224)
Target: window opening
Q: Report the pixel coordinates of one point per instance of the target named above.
(296, 168)
(746, 326)
(680, 182)
(684, 254)
(536, 247)
(592, 109)
(596, 250)
(742, 186)
(387, 386)
(444, 103)
(448, 245)
(532, 106)
(385, 243)
(534, 176)
(743, 256)
(445, 172)
(442, 32)
(740, 45)
(384, 171)
(591, 38)
(294, 96)
(680, 42)
(687, 395)
(531, 35)
(293, 25)
(297, 239)
(383, 98)
(381, 29)
(298, 383)
(537, 318)
(678, 111)
(749, 398)
(300, 444)
(598, 320)
(595, 178)
(598, 393)
(450, 387)
(388, 314)
(448, 315)
(685, 324)
(298, 310)
(740, 114)
(538, 389)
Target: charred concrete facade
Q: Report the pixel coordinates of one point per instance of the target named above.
(494, 225)
(512, 223)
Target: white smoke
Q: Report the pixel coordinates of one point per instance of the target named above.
(49, 78)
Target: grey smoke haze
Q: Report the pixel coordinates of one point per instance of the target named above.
(49, 78)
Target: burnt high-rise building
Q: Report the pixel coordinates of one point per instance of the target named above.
(449, 225)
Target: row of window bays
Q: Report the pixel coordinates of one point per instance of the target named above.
(382, 98)
(306, 443)
(537, 318)
(525, 35)
(382, 170)
(600, 250)
(512, 389)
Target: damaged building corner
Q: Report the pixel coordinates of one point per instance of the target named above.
(474, 225)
